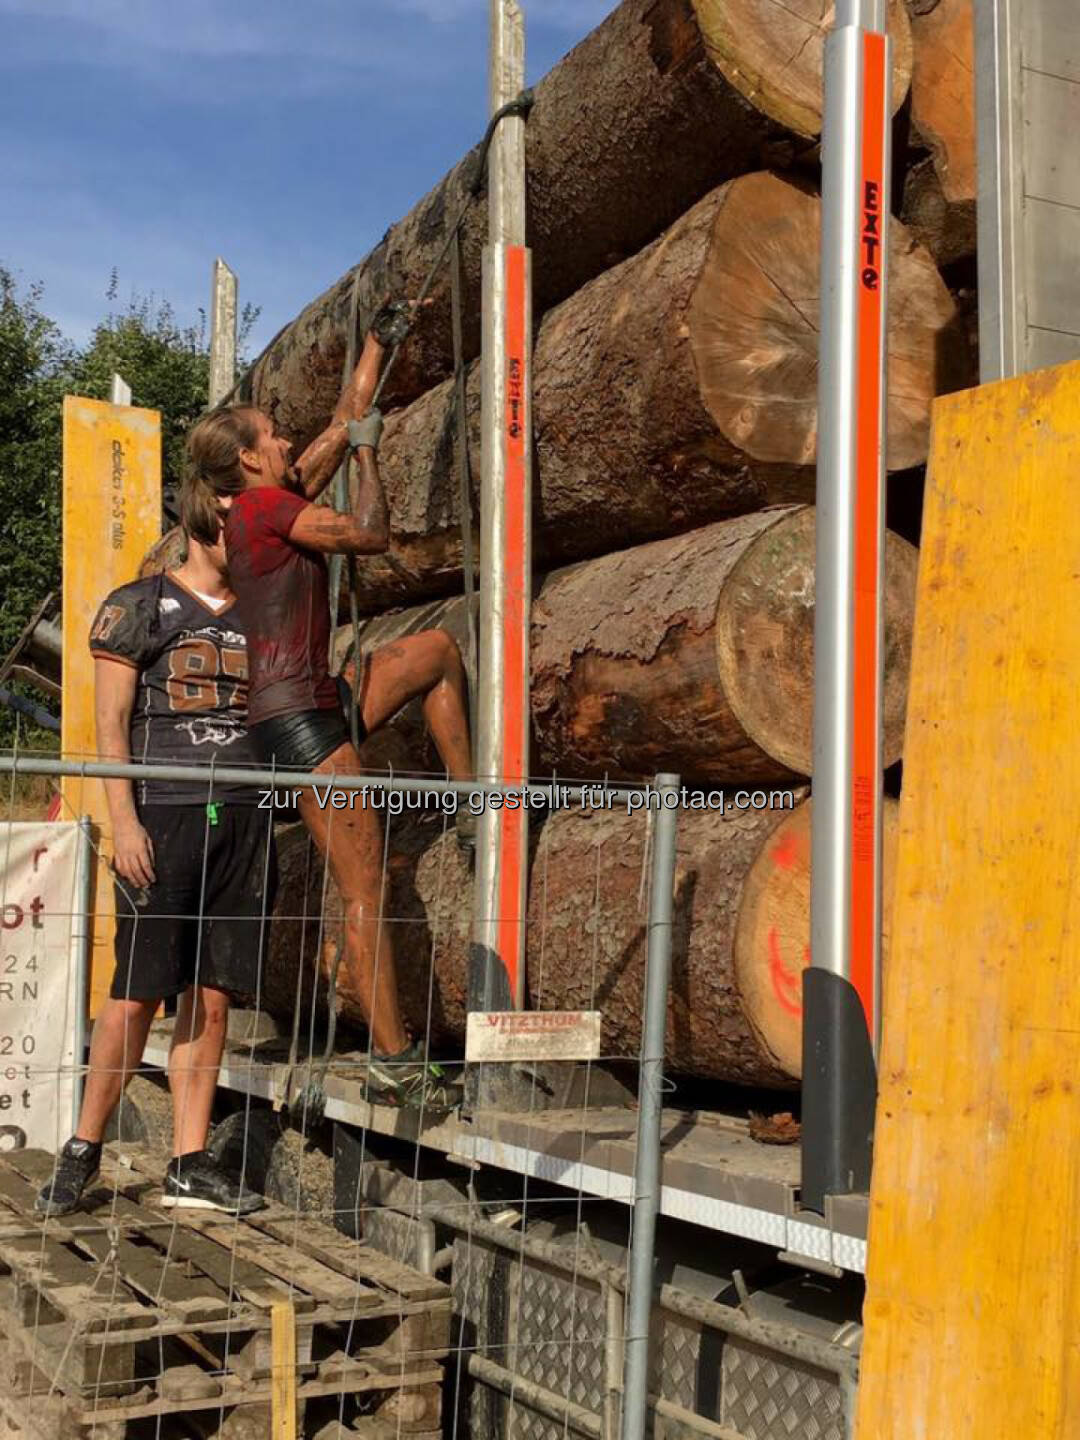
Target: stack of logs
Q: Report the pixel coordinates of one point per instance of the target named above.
(674, 217)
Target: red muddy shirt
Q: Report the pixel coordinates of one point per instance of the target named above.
(282, 602)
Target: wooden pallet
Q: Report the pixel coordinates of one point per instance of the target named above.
(125, 1311)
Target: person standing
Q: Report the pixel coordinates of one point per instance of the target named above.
(193, 860)
(276, 540)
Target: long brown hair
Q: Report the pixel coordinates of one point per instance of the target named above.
(213, 450)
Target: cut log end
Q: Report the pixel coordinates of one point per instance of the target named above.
(754, 320)
(765, 640)
(772, 939)
(772, 51)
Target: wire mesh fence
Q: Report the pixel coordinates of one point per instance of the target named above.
(421, 1265)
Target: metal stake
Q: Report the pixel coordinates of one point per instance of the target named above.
(497, 961)
(119, 390)
(84, 904)
(841, 1020)
(222, 332)
(650, 1114)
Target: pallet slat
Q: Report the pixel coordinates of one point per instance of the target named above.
(196, 1291)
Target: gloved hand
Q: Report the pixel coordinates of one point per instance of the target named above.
(367, 431)
(391, 323)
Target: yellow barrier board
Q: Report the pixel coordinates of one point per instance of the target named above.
(973, 1272)
(112, 515)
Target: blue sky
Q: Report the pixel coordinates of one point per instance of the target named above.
(283, 135)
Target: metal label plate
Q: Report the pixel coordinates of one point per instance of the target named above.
(533, 1035)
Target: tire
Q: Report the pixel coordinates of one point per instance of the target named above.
(144, 1116)
(277, 1161)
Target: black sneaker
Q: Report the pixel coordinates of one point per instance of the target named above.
(197, 1182)
(409, 1082)
(77, 1164)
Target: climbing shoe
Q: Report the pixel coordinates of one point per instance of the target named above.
(197, 1182)
(410, 1082)
(76, 1166)
(391, 323)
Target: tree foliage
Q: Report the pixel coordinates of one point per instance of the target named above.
(35, 365)
(167, 366)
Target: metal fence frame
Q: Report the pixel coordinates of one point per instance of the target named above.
(639, 1284)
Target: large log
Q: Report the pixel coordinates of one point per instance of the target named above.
(943, 94)
(740, 939)
(693, 654)
(627, 131)
(675, 389)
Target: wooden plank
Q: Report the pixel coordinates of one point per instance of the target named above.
(973, 1276)
(79, 1289)
(289, 1264)
(350, 1257)
(283, 1375)
(355, 1380)
(144, 1269)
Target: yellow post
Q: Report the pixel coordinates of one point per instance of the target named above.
(112, 515)
(282, 1371)
(973, 1275)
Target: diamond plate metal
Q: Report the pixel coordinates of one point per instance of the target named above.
(766, 1398)
(560, 1334)
(392, 1234)
(812, 1240)
(676, 1352)
(849, 1251)
(478, 1276)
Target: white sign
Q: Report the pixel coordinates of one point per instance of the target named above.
(532, 1035)
(39, 939)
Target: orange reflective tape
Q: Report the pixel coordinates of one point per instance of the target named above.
(515, 621)
(865, 800)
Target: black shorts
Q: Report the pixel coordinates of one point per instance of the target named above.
(303, 740)
(205, 923)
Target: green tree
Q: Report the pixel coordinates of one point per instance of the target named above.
(35, 366)
(165, 363)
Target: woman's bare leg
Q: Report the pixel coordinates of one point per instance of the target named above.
(427, 665)
(351, 842)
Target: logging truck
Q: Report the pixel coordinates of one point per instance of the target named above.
(676, 216)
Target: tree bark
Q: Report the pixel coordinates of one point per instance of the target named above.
(693, 654)
(740, 936)
(675, 389)
(627, 131)
(946, 227)
(943, 95)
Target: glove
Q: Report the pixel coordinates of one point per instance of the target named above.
(391, 323)
(367, 431)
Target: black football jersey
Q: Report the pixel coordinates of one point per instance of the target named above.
(191, 702)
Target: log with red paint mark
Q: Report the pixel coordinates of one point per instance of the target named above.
(740, 938)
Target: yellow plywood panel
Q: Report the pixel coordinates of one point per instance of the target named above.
(112, 515)
(973, 1304)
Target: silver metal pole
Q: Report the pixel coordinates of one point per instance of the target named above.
(84, 902)
(650, 1113)
(222, 332)
(554, 794)
(841, 988)
(119, 391)
(497, 970)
